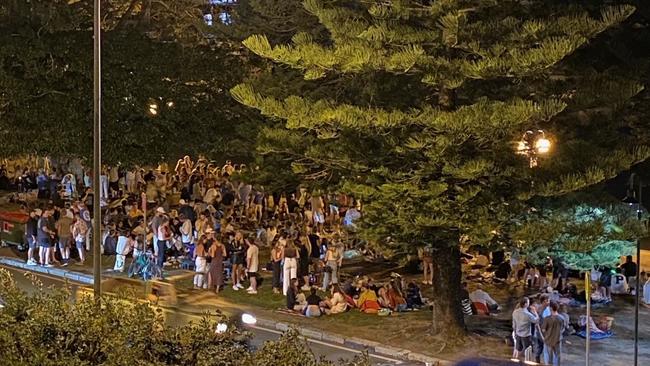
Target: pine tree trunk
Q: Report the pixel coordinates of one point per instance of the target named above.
(447, 311)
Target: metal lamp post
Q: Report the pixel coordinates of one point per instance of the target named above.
(97, 150)
(631, 199)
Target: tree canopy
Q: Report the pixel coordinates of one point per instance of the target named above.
(426, 102)
(151, 56)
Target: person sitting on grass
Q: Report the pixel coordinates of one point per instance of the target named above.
(337, 303)
(313, 310)
(413, 296)
(390, 297)
(367, 301)
(480, 296)
(295, 299)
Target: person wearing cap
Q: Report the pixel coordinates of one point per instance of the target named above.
(64, 230)
(164, 234)
(155, 223)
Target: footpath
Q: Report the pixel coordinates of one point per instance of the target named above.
(196, 303)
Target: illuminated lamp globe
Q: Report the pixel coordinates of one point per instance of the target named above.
(543, 145)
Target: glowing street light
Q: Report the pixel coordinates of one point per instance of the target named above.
(153, 109)
(533, 144)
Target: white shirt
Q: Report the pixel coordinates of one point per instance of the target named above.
(186, 232)
(252, 255)
(123, 246)
(481, 296)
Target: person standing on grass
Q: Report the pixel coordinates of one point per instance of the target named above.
(200, 263)
(276, 265)
(155, 225)
(217, 253)
(45, 234)
(543, 311)
(333, 261)
(64, 229)
(290, 256)
(523, 319)
(31, 231)
(304, 249)
(187, 233)
(426, 255)
(79, 233)
(252, 265)
(123, 247)
(237, 258)
(552, 329)
(164, 235)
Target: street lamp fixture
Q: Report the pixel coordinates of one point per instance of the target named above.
(533, 144)
(632, 200)
(153, 108)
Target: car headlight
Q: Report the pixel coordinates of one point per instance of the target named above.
(248, 319)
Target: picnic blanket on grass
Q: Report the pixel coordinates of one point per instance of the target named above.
(595, 335)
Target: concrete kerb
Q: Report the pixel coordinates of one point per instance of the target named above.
(353, 342)
(57, 272)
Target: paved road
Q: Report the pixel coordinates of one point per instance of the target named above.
(333, 352)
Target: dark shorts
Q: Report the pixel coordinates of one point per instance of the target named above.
(523, 342)
(64, 243)
(237, 259)
(45, 244)
(31, 242)
(114, 185)
(252, 274)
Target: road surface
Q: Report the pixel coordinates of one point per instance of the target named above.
(330, 351)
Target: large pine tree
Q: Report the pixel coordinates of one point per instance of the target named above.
(417, 106)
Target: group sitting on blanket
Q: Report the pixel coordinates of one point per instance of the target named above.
(363, 295)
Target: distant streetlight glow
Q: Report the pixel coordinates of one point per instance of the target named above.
(153, 108)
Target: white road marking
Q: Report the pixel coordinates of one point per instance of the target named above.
(373, 355)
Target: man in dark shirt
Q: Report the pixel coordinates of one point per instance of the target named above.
(30, 237)
(629, 268)
(552, 328)
(313, 304)
(45, 233)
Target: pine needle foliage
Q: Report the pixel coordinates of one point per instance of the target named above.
(416, 108)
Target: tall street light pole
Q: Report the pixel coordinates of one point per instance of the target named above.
(97, 149)
(632, 200)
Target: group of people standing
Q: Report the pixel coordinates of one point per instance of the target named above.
(538, 328)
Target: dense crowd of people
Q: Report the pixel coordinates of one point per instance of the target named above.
(204, 217)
